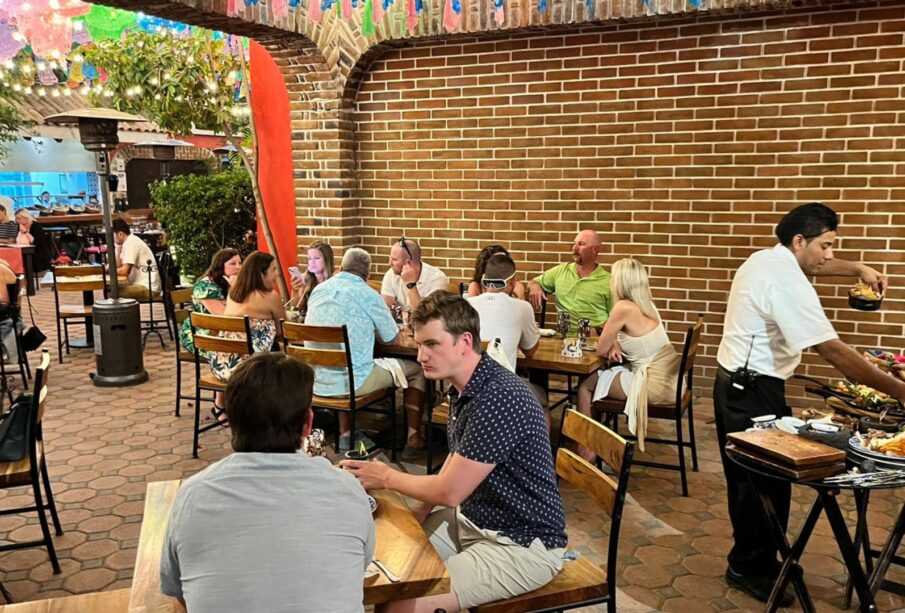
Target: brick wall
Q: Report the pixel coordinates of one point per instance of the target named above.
(682, 142)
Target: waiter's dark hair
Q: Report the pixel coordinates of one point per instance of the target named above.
(810, 220)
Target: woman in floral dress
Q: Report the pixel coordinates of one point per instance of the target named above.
(252, 295)
(209, 292)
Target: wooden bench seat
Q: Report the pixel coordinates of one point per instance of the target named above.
(116, 601)
(579, 580)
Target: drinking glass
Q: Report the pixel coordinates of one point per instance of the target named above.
(584, 332)
(563, 319)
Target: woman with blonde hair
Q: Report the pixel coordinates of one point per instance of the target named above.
(634, 335)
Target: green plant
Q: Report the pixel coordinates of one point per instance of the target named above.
(181, 83)
(11, 121)
(205, 213)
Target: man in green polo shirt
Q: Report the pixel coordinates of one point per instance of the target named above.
(582, 287)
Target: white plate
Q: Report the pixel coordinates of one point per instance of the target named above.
(373, 503)
(547, 332)
(789, 424)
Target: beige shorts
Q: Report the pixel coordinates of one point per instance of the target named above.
(381, 378)
(485, 566)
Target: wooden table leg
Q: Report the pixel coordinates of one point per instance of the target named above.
(889, 550)
(848, 551)
(790, 554)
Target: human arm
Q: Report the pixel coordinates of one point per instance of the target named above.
(213, 306)
(449, 488)
(614, 324)
(856, 368)
(474, 289)
(519, 291)
(530, 337)
(535, 295)
(845, 268)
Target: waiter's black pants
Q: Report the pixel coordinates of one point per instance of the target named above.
(753, 553)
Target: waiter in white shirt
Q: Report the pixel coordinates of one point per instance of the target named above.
(773, 315)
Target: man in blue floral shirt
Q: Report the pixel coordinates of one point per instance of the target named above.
(500, 527)
(346, 299)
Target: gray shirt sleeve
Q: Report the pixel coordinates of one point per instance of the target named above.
(170, 574)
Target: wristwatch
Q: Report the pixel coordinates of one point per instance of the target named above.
(410, 285)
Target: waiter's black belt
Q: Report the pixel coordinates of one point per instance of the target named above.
(753, 375)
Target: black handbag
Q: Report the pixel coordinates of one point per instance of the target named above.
(32, 338)
(13, 430)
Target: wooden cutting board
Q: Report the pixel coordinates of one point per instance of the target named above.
(810, 473)
(788, 449)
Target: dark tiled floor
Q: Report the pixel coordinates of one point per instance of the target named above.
(105, 444)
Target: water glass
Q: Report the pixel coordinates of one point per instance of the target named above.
(563, 320)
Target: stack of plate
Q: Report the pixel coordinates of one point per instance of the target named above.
(857, 453)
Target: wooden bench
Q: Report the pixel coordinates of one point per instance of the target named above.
(116, 601)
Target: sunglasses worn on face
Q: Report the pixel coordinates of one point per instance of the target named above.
(404, 245)
(496, 283)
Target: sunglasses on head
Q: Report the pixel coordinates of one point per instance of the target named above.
(404, 244)
(496, 283)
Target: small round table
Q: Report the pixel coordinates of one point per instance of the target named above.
(864, 586)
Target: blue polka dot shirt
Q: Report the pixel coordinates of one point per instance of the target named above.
(497, 420)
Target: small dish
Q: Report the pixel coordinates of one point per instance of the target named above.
(763, 421)
(820, 426)
(789, 424)
(545, 332)
(373, 502)
(863, 304)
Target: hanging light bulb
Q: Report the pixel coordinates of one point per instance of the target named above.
(54, 4)
(78, 25)
(77, 58)
(28, 90)
(153, 81)
(17, 87)
(42, 91)
(40, 66)
(55, 92)
(67, 92)
(8, 64)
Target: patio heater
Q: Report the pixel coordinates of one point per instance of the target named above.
(164, 151)
(116, 322)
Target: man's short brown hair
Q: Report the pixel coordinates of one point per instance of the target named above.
(268, 397)
(456, 313)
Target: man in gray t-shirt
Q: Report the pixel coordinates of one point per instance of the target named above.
(268, 528)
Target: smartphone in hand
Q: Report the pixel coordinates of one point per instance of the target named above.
(295, 273)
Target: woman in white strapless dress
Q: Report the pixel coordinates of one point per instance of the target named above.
(633, 334)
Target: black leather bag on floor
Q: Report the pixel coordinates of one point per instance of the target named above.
(13, 430)
(32, 338)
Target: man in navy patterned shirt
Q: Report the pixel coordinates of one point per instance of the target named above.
(500, 527)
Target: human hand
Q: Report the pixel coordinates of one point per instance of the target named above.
(371, 475)
(535, 295)
(299, 283)
(408, 273)
(615, 353)
(874, 278)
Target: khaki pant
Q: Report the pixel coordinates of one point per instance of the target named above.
(138, 292)
(485, 566)
(380, 378)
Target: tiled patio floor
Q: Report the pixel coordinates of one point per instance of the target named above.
(105, 444)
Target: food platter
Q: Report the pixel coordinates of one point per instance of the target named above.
(857, 453)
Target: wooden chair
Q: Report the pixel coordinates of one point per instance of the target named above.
(83, 279)
(21, 359)
(206, 333)
(32, 470)
(684, 404)
(294, 334)
(581, 583)
(375, 284)
(439, 417)
(174, 304)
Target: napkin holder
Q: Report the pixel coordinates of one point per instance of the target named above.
(571, 348)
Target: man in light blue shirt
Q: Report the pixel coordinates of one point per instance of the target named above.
(268, 528)
(347, 299)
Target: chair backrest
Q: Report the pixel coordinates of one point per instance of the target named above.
(615, 452)
(79, 278)
(173, 301)
(685, 384)
(207, 330)
(337, 356)
(166, 267)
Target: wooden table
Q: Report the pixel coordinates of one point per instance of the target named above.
(116, 601)
(21, 259)
(401, 544)
(548, 356)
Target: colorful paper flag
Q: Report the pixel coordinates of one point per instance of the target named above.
(367, 19)
(450, 15)
(279, 8)
(411, 16)
(314, 11)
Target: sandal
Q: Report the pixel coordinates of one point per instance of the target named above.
(219, 414)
